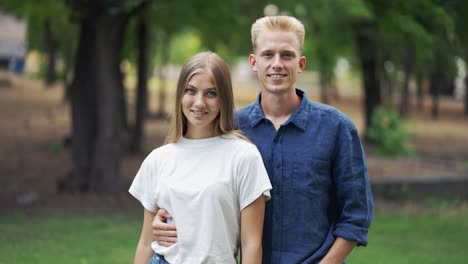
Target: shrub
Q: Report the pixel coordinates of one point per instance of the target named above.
(387, 133)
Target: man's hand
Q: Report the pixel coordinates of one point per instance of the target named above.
(165, 234)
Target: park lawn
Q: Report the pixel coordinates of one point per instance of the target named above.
(59, 238)
(408, 238)
(85, 239)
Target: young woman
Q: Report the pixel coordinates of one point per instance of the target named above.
(208, 176)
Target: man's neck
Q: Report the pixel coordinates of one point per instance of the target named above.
(279, 107)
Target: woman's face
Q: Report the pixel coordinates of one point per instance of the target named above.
(200, 106)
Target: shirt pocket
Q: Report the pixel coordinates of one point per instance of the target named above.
(311, 176)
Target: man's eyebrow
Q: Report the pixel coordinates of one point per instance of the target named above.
(289, 52)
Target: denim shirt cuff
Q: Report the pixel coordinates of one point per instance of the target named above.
(352, 233)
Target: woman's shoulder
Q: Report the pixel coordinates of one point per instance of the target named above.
(238, 143)
(161, 151)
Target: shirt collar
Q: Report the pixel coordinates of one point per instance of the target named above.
(298, 118)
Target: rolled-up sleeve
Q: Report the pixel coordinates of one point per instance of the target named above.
(353, 190)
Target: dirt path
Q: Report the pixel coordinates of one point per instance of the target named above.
(35, 120)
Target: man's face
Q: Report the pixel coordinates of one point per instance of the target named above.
(277, 60)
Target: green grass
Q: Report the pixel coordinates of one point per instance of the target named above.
(395, 237)
(408, 238)
(81, 239)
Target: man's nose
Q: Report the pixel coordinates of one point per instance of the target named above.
(277, 61)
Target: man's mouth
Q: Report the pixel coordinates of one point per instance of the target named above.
(276, 76)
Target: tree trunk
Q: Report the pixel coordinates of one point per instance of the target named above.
(367, 53)
(408, 69)
(323, 62)
(419, 89)
(387, 87)
(162, 77)
(97, 105)
(111, 115)
(142, 87)
(51, 47)
(83, 111)
(466, 95)
(67, 70)
(435, 90)
(323, 89)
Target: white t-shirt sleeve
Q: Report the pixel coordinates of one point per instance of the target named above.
(252, 179)
(143, 185)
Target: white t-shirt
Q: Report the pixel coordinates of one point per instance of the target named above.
(203, 184)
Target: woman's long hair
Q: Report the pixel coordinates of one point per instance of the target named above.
(213, 64)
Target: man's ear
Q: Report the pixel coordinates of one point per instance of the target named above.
(253, 62)
(302, 63)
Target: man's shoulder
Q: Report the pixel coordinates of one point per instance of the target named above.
(329, 113)
(246, 109)
(245, 113)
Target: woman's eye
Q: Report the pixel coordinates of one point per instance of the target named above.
(212, 94)
(190, 91)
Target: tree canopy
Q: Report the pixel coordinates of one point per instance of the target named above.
(418, 38)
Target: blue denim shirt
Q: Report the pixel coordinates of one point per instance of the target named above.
(318, 170)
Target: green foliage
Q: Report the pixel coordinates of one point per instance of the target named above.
(36, 14)
(387, 132)
(41, 74)
(183, 46)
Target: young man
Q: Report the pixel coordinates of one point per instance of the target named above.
(321, 205)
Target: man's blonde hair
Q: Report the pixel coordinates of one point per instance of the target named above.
(280, 23)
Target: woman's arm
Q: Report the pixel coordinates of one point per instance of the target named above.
(144, 252)
(251, 231)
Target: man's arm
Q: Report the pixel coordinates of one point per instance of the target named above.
(251, 231)
(354, 203)
(165, 234)
(354, 196)
(339, 251)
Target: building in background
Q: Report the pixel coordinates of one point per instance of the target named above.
(12, 43)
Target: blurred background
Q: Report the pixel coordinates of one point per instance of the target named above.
(86, 92)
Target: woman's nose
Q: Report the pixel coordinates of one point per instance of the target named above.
(199, 101)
